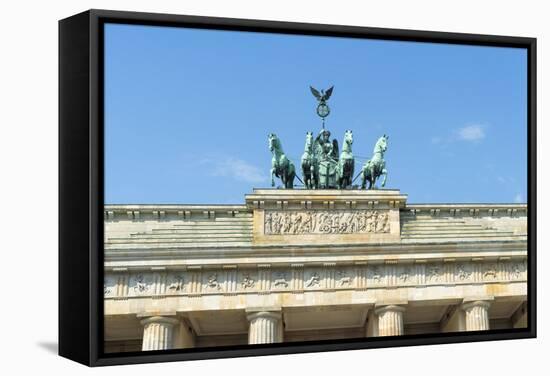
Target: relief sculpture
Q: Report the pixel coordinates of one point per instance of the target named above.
(313, 281)
(326, 222)
(247, 282)
(177, 284)
(343, 278)
(212, 282)
(140, 286)
(280, 280)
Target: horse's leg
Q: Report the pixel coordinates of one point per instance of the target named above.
(372, 180)
(338, 176)
(345, 176)
(348, 175)
(385, 173)
(290, 176)
(315, 176)
(273, 176)
(306, 173)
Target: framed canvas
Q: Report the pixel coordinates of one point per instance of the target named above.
(234, 187)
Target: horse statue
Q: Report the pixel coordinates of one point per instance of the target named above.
(310, 168)
(346, 163)
(281, 166)
(376, 166)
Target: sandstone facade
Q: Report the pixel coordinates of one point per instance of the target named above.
(298, 265)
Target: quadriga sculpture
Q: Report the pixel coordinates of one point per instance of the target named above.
(376, 166)
(281, 166)
(346, 163)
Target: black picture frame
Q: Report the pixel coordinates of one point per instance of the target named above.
(81, 184)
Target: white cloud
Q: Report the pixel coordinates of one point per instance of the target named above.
(471, 133)
(519, 198)
(237, 169)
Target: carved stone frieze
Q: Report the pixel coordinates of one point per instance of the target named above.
(434, 273)
(280, 279)
(326, 222)
(247, 281)
(343, 279)
(109, 286)
(175, 284)
(404, 275)
(142, 284)
(332, 276)
(463, 273)
(490, 271)
(375, 275)
(212, 282)
(517, 270)
(313, 280)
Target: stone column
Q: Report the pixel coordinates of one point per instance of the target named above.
(265, 326)
(158, 333)
(477, 314)
(390, 320)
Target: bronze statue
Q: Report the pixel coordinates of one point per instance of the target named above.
(376, 166)
(310, 165)
(346, 163)
(322, 165)
(281, 166)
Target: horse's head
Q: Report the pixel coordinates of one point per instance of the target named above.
(274, 143)
(348, 137)
(309, 140)
(381, 145)
(272, 137)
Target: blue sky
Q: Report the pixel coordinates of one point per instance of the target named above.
(187, 112)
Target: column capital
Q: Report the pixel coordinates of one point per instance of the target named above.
(266, 312)
(468, 303)
(149, 319)
(381, 308)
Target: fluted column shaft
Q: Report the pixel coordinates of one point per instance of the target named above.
(390, 320)
(265, 327)
(477, 315)
(158, 333)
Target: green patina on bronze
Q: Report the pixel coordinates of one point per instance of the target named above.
(322, 165)
(376, 166)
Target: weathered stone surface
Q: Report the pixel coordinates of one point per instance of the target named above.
(208, 266)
